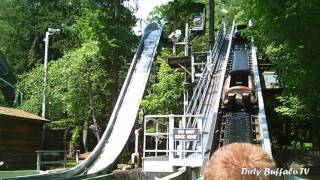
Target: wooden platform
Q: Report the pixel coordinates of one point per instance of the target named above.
(175, 61)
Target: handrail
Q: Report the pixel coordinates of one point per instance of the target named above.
(205, 80)
(266, 144)
(170, 115)
(204, 75)
(216, 105)
(200, 97)
(204, 95)
(221, 82)
(7, 83)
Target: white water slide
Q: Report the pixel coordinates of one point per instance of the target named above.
(124, 114)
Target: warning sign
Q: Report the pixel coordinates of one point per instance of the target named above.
(185, 134)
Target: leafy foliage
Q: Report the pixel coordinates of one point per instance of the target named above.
(165, 96)
(67, 83)
(24, 22)
(87, 59)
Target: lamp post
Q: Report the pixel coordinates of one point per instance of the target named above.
(49, 32)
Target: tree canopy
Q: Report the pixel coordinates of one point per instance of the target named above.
(87, 59)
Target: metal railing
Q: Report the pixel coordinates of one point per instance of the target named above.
(42, 153)
(265, 140)
(207, 90)
(211, 114)
(199, 93)
(162, 132)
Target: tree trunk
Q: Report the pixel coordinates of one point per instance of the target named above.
(175, 15)
(92, 104)
(93, 110)
(115, 62)
(115, 84)
(85, 136)
(315, 133)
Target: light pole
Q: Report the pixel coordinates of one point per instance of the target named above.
(49, 32)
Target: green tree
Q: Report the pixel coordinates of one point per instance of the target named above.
(165, 96)
(74, 80)
(90, 60)
(110, 22)
(24, 23)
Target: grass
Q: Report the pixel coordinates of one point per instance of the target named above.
(120, 166)
(70, 164)
(10, 174)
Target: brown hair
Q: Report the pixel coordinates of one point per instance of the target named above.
(228, 162)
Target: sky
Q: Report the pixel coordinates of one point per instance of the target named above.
(144, 8)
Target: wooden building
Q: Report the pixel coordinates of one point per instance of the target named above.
(21, 134)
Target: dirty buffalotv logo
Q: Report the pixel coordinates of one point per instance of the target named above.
(274, 172)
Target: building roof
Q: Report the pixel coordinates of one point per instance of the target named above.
(20, 114)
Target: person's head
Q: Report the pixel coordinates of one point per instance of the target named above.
(238, 161)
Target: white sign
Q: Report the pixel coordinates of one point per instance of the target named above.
(185, 134)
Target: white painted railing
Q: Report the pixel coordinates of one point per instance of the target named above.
(169, 137)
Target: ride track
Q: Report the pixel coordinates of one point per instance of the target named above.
(240, 126)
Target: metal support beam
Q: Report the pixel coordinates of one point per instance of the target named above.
(266, 144)
(171, 145)
(186, 40)
(46, 40)
(186, 53)
(192, 67)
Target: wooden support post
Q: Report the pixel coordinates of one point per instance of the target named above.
(38, 160)
(185, 69)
